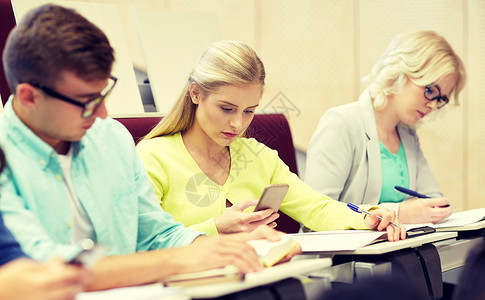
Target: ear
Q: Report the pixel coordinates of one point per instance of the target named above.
(27, 95)
(195, 93)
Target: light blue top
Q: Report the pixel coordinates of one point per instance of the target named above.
(394, 172)
(109, 180)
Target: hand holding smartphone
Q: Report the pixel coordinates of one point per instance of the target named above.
(272, 197)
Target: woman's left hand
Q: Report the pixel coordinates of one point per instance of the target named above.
(394, 233)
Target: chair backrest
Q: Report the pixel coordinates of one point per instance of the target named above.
(7, 22)
(272, 130)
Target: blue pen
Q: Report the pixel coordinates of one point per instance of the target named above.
(410, 192)
(413, 193)
(359, 210)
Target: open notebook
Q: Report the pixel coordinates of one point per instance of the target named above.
(456, 220)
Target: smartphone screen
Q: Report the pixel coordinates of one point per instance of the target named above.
(272, 197)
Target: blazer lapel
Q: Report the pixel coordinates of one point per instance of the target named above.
(408, 144)
(374, 176)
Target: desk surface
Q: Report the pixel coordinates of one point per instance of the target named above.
(386, 247)
(269, 275)
(469, 227)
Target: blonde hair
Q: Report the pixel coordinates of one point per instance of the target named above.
(423, 57)
(223, 63)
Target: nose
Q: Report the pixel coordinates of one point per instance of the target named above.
(101, 111)
(432, 104)
(236, 122)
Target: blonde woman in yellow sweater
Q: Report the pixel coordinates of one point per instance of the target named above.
(207, 175)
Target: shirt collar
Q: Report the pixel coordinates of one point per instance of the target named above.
(25, 139)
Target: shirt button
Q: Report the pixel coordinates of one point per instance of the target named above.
(69, 224)
(53, 155)
(41, 162)
(58, 177)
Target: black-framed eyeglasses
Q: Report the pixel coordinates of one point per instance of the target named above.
(90, 107)
(432, 92)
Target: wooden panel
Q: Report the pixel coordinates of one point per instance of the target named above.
(173, 42)
(125, 98)
(475, 97)
(236, 18)
(307, 48)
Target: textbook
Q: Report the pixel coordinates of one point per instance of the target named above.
(348, 240)
(226, 274)
(266, 276)
(271, 253)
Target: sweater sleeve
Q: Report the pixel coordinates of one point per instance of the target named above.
(314, 210)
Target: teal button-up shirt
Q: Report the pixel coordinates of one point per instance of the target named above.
(107, 177)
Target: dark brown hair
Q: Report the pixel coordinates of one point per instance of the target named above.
(51, 39)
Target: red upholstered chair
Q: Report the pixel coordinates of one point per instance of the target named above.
(7, 22)
(270, 129)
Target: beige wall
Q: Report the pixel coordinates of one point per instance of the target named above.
(316, 51)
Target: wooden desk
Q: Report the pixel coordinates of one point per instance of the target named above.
(386, 247)
(269, 275)
(469, 227)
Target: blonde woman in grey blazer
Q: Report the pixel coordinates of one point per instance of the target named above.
(416, 75)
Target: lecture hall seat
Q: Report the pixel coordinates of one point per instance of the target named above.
(7, 22)
(272, 130)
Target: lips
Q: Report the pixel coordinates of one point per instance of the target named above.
(230, 135)
(422, 115)
(86, 127)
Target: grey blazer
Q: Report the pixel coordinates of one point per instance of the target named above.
(344, 160)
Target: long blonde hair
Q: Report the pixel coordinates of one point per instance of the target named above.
(223, 63)
(423, 57)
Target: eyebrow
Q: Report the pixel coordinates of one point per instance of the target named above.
(90, 96)
(232, 104)
(441, 91)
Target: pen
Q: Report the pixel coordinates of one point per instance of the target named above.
(410, 192)
(413, 193)
(359, 210)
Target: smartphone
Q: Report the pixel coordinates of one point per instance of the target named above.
(88, 253)
(272, 197)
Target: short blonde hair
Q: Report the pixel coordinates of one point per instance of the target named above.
(223, 63)
(423, 57)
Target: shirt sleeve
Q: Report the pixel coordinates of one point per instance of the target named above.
(160, 181)
(157, 228)
(208, 227)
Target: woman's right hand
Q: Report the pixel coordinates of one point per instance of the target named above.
(27, 279)
(425, 210)
(234, 219)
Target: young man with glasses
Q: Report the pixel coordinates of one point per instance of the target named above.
(74, 173)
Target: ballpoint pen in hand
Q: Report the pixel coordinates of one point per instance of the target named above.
(410, 192)
(413, 193)
(359, 210)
